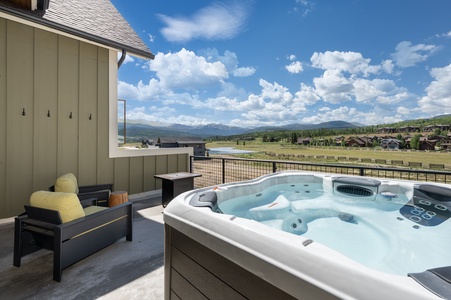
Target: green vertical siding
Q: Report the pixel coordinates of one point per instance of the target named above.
(45, 113)
(52, 78)
(68, 94)
(87, 105)
(105, 167)
(3, 116)
(20, 97)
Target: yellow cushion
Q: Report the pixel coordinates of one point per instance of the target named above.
(67, 204)
(67, 183)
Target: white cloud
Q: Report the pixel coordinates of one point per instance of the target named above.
(184, 83)
(186, 70)
(141, 91)
(218, 21)
(333, 87)
(404, 110)
(446, 35)
(438, 98)
(275, 92)
(295, 67)
(351, 62)
(351, 114)
(253, 102)
(230, 90)
(230, 61)
(408, 55)
(304, 7)
(307, 95)
(382, 90)
(151, 38)
(185, 119)
(243, 72)
(341, 113)
(345, 79)
(388, 66)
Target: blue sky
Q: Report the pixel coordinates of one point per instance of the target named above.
(253, 63)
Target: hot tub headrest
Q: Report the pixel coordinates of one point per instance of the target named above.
(434, 191)
(205, 199)
(362, 181)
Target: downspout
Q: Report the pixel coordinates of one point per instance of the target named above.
(121, 60)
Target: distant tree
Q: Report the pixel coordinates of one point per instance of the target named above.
(437, 131)
(264, 138)
(415, 142)
(403, 143)
(294, 138)
(375, 143)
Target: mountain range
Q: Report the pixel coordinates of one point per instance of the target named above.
(140, 131)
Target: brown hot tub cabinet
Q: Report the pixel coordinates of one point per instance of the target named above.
(193, 271)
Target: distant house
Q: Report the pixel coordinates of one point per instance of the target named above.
(338, 139)
(446, 145)
(409, 129)
(196, 143)
(357, 141)
(434, 127)
(426, 144)
(386, 130)
(390, 143)
(304, 141)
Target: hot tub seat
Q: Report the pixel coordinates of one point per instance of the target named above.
(436, 280)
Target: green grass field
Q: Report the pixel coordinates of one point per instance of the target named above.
(310, 153)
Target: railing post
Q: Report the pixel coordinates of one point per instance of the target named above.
(274, 167)
(362, 173)
(223, 170)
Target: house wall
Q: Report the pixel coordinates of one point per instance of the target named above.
(54, 119)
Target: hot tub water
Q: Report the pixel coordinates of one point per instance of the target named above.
(367, 228)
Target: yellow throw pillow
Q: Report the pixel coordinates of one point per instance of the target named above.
(67, 204)
(67, 183)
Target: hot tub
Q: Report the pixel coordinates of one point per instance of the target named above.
(302, 235)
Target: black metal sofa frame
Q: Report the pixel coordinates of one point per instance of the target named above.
(71, 241)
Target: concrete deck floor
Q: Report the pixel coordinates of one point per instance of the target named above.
(124, 270)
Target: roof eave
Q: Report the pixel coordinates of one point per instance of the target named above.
(36, 19)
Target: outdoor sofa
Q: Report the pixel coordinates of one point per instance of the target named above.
(57, 221)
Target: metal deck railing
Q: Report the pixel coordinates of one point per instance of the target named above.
(218, 170)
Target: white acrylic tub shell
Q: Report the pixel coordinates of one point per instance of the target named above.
(289, 258)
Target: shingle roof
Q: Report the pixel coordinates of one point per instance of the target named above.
(180, 140)
(95, 20)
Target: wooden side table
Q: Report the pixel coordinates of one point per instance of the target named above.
(117, 198)
(174, 184)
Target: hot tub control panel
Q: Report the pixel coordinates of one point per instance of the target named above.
(430, 206)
